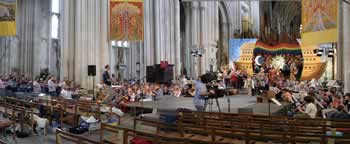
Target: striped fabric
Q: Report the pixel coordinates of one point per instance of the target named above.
(283, 48)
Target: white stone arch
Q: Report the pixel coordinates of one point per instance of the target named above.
(224, 34)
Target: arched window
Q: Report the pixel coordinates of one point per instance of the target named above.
(55, 18)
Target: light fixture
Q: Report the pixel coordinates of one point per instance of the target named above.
(119, 43)
(125, 44)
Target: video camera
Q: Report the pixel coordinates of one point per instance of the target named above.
(212, 83)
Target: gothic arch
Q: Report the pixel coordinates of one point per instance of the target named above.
(224, 35)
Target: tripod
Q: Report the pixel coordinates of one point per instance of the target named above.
(210, 101)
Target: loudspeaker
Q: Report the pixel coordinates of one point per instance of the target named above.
(91, 70)
(150, 74)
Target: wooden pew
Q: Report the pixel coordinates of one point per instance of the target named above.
(291, 129)
(214, 127)
(62, 136)
(69, 110)
(125, 134)
(13, 111)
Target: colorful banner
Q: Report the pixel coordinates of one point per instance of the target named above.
(279, 49)
(319, 21)
(126, 20)
(7, 17)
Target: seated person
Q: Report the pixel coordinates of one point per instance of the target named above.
(309, 109)
(66, 93)
(177, 91)
(346, 101)
(339, 113)
(158, 91)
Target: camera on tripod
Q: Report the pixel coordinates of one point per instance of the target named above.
(212, 83)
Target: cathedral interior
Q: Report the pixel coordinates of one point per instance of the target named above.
(174, 71)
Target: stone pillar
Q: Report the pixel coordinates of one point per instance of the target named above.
(195, 33)
(166, 37)
(176, 38)
(85, 39)
(189, 59)
(345, 46)
(149, 32)
(339, 51)
(27, 52)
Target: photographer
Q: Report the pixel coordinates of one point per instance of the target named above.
(200, 92)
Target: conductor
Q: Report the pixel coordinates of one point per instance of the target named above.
(106, 77)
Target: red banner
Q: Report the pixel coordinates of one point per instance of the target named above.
(126, 20)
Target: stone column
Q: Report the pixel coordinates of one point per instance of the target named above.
(27, 51)
(85, 41)
(345, 44)
(195, 32)
(339, 51)
(166, 37)
(189, 60)
(177, 43)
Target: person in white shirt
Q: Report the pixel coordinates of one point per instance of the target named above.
(66, 93)
(52, 86)
(310, 108)
(183, 81)
(36, 87)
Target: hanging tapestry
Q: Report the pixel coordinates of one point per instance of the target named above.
(7, 17)
(319, 21)
(126, 20)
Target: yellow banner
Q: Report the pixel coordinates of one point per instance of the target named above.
(7, 17)
(126, 20)
(319, 21)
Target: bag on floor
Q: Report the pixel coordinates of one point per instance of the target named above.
(137, 140)
(22, 134)
(77, 130)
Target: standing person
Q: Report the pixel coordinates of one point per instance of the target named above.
(36, 86)
(106, 77)
(107, 81)
(52, 86)
(199, 93)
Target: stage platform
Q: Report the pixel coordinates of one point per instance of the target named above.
(236, 102)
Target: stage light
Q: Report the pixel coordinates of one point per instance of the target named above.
(113, 43)
(119, 43)
(126, 44)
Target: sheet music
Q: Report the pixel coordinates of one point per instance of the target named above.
(276, 101)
